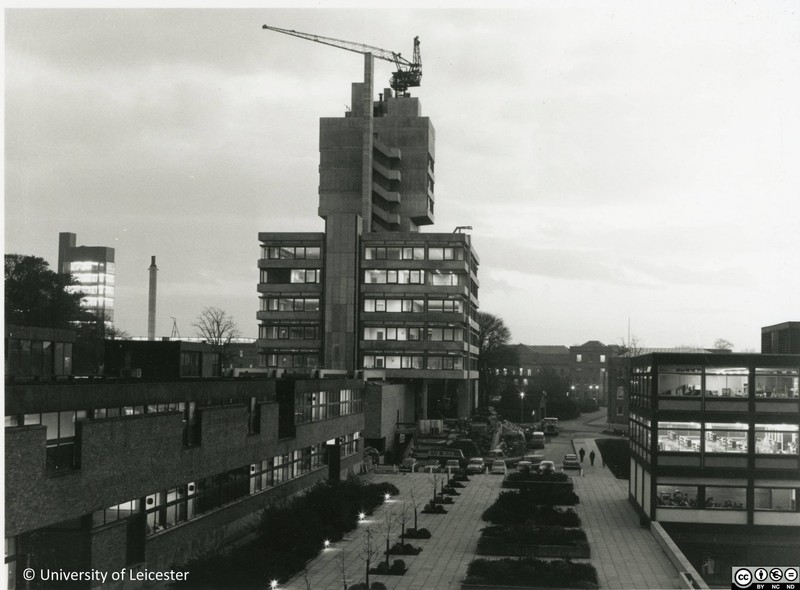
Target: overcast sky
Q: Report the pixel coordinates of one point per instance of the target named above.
(616, 159)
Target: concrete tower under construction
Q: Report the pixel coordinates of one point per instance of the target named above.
(372, 294)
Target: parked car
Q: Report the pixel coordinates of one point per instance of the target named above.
(452, 465)
(571, 461)
(547, 467)
(499, 467)
(524, 467)
(534, 460)
(409, 465)
(476, 465)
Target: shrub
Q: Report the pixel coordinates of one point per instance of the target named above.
(521, 505)
(434, 509)
(398, 567)
(532, 572)
(407, 549)
(532, 535)
(536, 476)
(418, 534)
(289, 535)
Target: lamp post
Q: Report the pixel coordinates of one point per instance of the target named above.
(521, 404)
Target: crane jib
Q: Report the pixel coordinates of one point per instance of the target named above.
(408, 73)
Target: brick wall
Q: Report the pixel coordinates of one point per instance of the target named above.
(126, 458)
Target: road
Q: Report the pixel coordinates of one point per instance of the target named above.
(585, 426)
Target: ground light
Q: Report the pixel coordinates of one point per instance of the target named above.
(387, 497)
(326, 543)
(361, 516)
(273, 584)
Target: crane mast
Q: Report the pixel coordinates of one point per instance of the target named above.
(408, 74)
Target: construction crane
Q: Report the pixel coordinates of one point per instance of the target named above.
(408, 73)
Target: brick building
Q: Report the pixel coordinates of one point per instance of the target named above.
(105, 473)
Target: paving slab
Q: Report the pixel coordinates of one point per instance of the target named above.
(625, 555)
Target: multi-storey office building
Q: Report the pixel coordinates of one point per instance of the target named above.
(714, 440)
(93, 268)
(371, 293)
(104, 473)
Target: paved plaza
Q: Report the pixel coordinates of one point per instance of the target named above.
(625, 555)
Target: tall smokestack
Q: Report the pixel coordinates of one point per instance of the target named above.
(151, 306)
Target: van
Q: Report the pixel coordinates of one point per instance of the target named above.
(494, 454)
(550, 426)
(537, 440)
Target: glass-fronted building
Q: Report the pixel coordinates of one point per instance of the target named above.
(714, 441)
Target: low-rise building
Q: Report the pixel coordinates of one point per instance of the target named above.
(149, 472)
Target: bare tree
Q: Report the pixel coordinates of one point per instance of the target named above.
(388, 525)
(217, 328)
(435, 481)
(368, 552)
(403, 518)
(415, 505)
(341, 564)
(722, 344)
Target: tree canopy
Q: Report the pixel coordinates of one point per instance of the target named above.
(493, 335)
(218, 328)
(38, 296)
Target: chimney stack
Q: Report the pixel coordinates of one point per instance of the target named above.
(151, 306)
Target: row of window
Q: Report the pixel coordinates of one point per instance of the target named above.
(297, 276)
(291, 252)
(382, 305)
(413, 277)
(692, 437)
(286, 360)
(290, 304)
(281, 332)
(416, 333)
(691, 382)
(61, 429)
(38, 358)
(92, 266)
(178, 504)
(321, 405)
(396, 277)
(412, 361)
(406, 253)
(725, 498)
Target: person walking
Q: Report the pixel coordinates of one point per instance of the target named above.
(582, 453)
(591, 457)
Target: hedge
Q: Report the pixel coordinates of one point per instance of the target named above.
(528, 571)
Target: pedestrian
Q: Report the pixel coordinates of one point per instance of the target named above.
(591, 457)
(582, 453)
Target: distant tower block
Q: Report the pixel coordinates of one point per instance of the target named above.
(151, 306)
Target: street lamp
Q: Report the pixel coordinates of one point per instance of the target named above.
(521, 410)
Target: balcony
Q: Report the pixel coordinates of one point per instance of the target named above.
(386, 173)
(388, 196)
